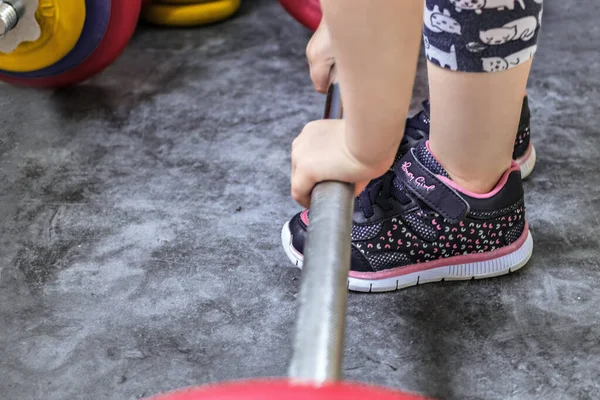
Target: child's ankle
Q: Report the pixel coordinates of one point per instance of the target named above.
(478, 185)
(477, 177)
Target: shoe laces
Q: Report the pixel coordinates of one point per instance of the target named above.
(382, 191)
(415, 130)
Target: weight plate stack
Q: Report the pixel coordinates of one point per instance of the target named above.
(91, 33)
(59, 24)
(185, 13)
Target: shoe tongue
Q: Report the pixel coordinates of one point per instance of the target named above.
(420, 173)
(425, 157)
(425, 114)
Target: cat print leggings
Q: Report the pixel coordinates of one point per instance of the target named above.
(481, 35)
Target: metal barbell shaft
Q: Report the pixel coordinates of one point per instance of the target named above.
(319, 342)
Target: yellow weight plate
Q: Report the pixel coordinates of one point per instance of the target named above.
(192, 14)
(182, 1)
(61, 23)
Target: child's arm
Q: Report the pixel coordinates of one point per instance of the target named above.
(375, 63)
(370, 44)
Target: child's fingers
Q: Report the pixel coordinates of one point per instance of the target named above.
(319, 74)
(320, 58)
(302, 186)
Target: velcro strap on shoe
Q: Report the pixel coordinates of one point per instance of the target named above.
(428, 188)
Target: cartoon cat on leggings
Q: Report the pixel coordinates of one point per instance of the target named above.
(493, 64)
(438, 21)
(522, 28)
(446, 59)
(478, 5)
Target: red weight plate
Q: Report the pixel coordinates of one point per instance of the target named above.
(283, 390)
(307, 12)
(123, 21)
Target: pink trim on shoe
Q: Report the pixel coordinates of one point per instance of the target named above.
(304, 217)
(443, 262)
(513, 168)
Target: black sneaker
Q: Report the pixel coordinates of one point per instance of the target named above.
(414, 225)
(417, 131)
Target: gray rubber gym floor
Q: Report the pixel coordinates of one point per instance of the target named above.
(141, 211)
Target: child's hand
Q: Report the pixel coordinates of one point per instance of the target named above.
(320, 58)
(320, 154)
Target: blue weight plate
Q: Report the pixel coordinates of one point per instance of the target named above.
(96, 22)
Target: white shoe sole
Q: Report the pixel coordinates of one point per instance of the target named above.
(464, 271)
(527, 162)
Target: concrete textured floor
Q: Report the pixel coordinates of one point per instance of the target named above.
(140, 215)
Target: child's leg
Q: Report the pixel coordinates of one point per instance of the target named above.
(476, 98)
(421, 222)
(473, 123)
